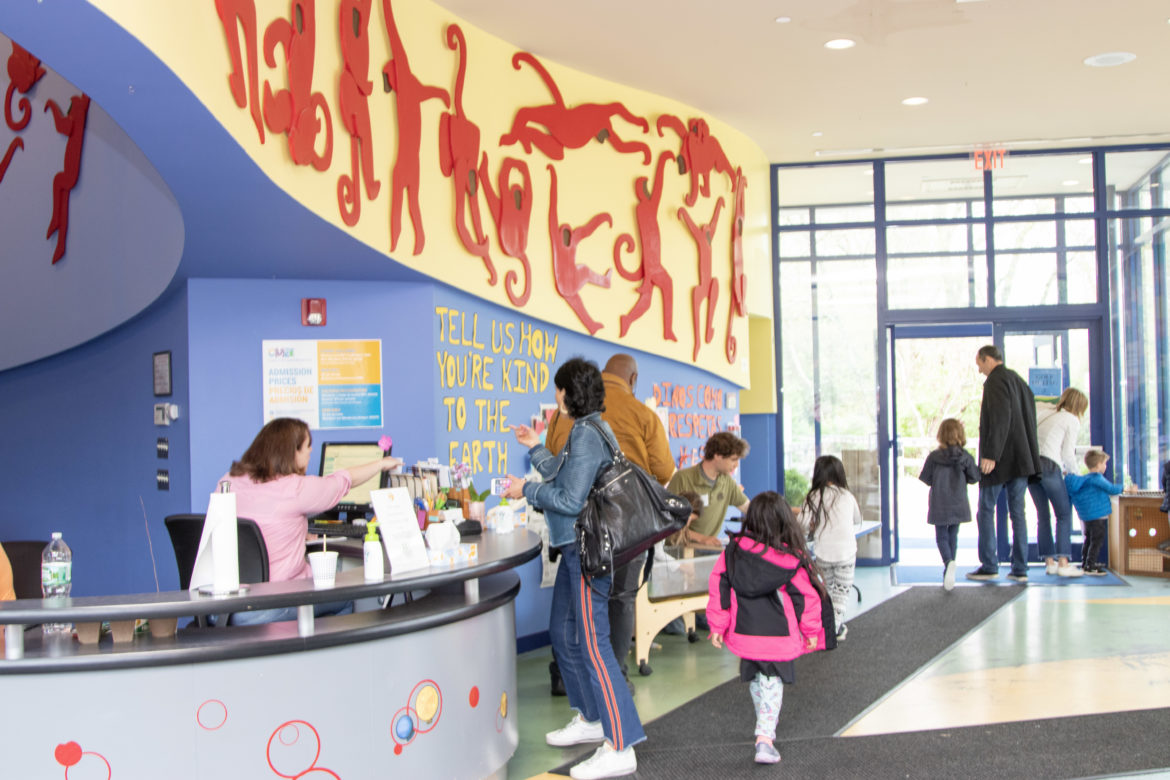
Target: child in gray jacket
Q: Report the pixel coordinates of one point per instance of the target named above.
(948, 470)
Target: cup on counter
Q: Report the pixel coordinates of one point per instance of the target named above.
(324, 565)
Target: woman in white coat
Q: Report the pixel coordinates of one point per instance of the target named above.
(1057, 429)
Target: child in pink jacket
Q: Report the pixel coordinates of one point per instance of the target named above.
(766, 602)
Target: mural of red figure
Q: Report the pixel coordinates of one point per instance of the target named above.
(354, 89)
(701, 153)
(738, 306)
(294, 110)
(567, 127)
(72, 126)
(512, 211)
(409, 95)
(234, 14)
(650, 272)
(24, 71)
(569, 275)
(458, 155)
(708, 286)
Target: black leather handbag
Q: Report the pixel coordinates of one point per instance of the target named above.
(627, 512)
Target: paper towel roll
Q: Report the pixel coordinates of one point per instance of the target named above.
(218, 561)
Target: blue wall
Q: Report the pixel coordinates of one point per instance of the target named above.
(79, 452)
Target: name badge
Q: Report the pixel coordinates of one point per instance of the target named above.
(706, 498)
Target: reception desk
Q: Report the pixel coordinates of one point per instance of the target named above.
(422, 689)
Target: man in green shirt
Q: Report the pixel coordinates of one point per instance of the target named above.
(711, 479)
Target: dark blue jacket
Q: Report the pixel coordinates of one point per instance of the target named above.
(948, 472)
(1090, 494)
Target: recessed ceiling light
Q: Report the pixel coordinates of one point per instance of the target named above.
(1086, 161)
(817, 134)
(1154, 184)
(915, 101)
(1110, 59)
(840, 43)
(1070, 182)
(783, 19)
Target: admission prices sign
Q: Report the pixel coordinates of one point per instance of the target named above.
(335, 383)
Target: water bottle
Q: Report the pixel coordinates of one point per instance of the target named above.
(56, 578)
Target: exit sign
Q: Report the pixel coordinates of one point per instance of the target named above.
(986, 159)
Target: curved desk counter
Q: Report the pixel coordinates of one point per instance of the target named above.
(380, 693)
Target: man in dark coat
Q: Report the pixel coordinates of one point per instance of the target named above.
(1008, 455)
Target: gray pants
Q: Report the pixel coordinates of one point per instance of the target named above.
(839, 581)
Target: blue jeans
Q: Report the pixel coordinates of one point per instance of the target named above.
(579, 630)
(947, 539)
(985, 520)
(257, 616)
(1051, 489)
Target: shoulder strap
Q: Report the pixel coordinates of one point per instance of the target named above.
(611, 446)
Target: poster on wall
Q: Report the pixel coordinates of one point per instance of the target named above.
(329, 383)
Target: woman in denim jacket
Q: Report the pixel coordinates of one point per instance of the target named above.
(579, 618)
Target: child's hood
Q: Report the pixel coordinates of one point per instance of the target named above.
(1074, 482)
(752, 574)
(951, 455)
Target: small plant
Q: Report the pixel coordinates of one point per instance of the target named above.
(795, 487)
(476, 495)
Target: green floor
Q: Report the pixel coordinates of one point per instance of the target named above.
(683, 670)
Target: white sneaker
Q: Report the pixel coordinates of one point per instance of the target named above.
(606, 762)
(579, 730)
(1050, 567)
(1068, 571)
(949, 576)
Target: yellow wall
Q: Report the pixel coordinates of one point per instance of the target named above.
(190, 39)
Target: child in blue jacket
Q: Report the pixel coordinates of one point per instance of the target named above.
(1090, 495)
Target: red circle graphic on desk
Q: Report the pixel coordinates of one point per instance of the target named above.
(212, 714)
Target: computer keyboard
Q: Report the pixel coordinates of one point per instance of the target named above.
(337, 529)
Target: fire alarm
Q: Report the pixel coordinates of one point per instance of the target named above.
(312, 311)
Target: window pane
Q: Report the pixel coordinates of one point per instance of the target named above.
(1135, 179)
(932, 238)
(794, 244)
(1042, 184)
(931, 181)
(1082, 277)
(937, 282)
(1080, 233)
(845, 243)
(1025, 235)
(1025, 279)
(799, 216)
(848, 185)
(949, 209)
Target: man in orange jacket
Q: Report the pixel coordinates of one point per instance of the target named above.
(643, 440)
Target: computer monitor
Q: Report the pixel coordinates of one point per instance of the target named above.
(344, 454)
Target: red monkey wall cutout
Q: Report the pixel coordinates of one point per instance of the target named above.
(738, 307)
(650, 271)
(354, 89)
(24, 71)
(72, 126)
(458, 155)
(569, 127)
(700, 153)
(409, 94)
(708, 286)
(511, 211)
(294, 110)
(569, 275)
(234, 14)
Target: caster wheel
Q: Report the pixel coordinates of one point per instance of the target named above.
(692, 637)
(644, 669)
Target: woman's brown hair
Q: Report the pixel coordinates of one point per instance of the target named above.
(951, 434)
(273, 453)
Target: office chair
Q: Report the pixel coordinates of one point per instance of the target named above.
(25, 557)
(186, 530)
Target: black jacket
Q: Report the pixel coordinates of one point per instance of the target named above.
(948, 472)
(1165, 487)
(1007, 427)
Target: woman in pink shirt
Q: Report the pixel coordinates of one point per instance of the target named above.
(272, 488)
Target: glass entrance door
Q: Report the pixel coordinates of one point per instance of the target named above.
(932, 377)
